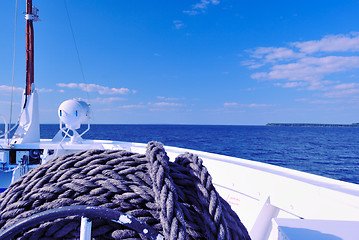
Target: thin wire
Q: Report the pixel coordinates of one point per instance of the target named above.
(13, 68)
(77, 51)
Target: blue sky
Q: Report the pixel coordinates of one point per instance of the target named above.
(190, 62)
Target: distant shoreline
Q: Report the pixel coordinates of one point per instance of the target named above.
(311, 125)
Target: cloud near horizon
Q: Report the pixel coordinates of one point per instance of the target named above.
(7, 89)
(169, 98)
(166, 104)
(44, 90)
(96, 88)
(251, 105)
(151, 106)
(309, 65)
(106, 100)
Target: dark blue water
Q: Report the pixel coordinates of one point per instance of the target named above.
(327, 151)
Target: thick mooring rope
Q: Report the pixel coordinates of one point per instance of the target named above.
(177, 198)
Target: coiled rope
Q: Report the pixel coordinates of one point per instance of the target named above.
(177, 198)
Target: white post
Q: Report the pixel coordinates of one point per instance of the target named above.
(85, 229)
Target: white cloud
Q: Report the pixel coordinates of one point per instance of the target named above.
(344, 93)
(168, 98)
(9, 102)
(319, 101)
(132, 106)
(69, 85)
(250, 89)
(310, 69)
(43, 90)
(166, 104)
(153, 106)
(191, 12)
(178, 24)
(259, 75)
(203, 4)
(251, 105)
(96, 88)
(308, 64)
(256, 105)
(346, 86)
(230, 104)
(4, 88)
(331, 43)
(201, 7)
(343, 90)
(271, 54)
(291, 84)
(106, 100)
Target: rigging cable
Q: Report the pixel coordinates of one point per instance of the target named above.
(12, 83)
(13, 68)
(77, 51)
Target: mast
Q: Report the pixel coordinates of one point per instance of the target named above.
(28, 130)
(31, 15)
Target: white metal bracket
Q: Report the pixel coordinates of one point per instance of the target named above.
(263, 224)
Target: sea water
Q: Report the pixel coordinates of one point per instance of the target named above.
(327, 151)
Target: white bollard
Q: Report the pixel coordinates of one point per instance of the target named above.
(85, 230)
